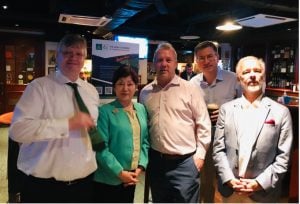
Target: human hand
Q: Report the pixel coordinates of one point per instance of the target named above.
(81, 120)
(235, 184)
(214, 116)
(250, 185)
(128, 178)
(198, 163)
(138, 171)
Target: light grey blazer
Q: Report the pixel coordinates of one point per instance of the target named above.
(270, 149)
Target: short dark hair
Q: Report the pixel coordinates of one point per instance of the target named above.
(206, 44)
(188, 65)
(125, 71)
(72, 39)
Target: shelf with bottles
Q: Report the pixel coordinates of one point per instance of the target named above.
(282, 63)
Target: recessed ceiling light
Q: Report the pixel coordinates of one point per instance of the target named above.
(189, 37)
(229, 26)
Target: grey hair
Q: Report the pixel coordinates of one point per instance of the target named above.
(72, 39)
(164, 46)
(242, 60)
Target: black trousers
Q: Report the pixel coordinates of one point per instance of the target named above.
(37, 190)
(104, 193)
(14, 176)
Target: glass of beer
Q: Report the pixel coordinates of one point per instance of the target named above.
(212, 107)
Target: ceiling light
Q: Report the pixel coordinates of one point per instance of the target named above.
(229, 26)
(189, 37)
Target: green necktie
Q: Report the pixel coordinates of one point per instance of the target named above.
(97, 141)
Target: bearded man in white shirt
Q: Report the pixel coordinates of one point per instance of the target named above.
(56, 154)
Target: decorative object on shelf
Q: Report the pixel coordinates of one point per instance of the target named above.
(30, 64)
(21, 78)
(9, 77)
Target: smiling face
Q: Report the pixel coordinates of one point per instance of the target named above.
(70, 60)
(125, 89)
(165, 64)
(207, 59)
(251, 74)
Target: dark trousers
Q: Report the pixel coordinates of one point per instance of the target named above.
(14, 176)
(104, 193)
(173, 180)
(208, 178)
(37, 190)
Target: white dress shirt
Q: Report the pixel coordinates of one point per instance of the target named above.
(40, 123)
(247, 131)
(179, 121)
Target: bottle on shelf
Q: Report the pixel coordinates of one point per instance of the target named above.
(291, 67)
(292, 53)
(286, 53)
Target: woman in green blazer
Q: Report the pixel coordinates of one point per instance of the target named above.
(123, 126)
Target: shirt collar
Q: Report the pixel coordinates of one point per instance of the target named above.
(63, 79)
(219, 77)
(255, 104)
(174, 81)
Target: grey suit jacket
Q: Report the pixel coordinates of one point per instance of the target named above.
(270, 150)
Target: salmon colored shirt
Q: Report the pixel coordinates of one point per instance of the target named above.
(179, 121)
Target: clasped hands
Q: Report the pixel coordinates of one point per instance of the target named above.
(244, 186)
(130, 178)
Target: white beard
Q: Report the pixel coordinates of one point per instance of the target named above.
(253, 88)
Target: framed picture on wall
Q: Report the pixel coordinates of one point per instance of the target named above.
(50, 57)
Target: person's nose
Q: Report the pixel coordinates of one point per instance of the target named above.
(206, 60)
(126, 87)
(252, 76)
(164, 63)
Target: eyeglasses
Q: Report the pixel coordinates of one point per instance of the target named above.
(69, 54)
(208, 57)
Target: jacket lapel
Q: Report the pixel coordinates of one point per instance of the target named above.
(265, 110)
(236, 117)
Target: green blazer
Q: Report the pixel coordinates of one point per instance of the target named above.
(115, 128)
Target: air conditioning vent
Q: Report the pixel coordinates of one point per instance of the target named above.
(262, 20)
(84, 20)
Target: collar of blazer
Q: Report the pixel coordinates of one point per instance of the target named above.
(265, 102)
(264, 112)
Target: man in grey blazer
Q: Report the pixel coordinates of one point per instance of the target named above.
(253, 140)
